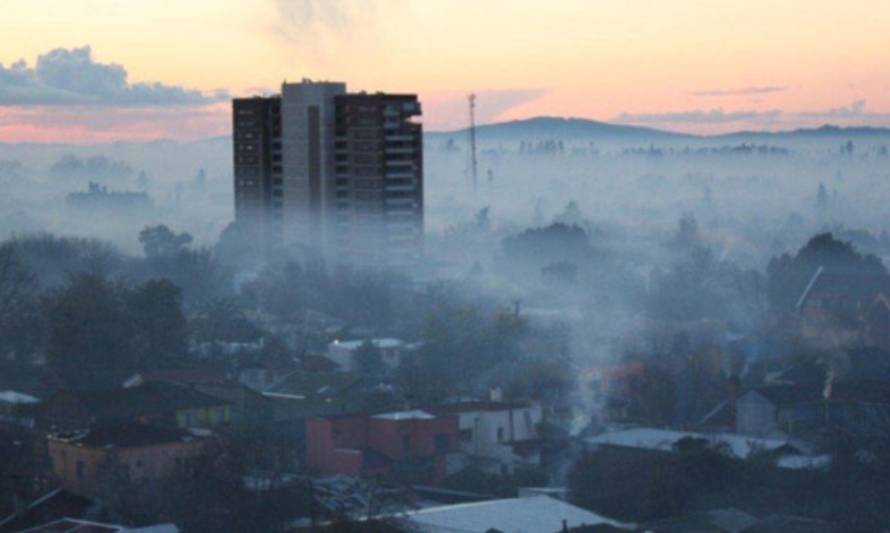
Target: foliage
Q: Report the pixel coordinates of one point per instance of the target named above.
(100, 332)
(551, 244)
(860, 276)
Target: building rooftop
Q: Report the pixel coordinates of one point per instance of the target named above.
(664, 439)
(475, 406)
(415, 414)
(124, 436)
(11, 396)
(385, 343)
(153, 398)
(535, 514)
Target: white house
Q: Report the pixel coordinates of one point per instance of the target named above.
(391, 352)
(504, 432)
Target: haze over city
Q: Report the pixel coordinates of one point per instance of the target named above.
(441, 266)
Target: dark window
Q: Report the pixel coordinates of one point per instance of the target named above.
(80, 468)
(406, 442)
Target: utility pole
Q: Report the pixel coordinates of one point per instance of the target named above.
(471, 98)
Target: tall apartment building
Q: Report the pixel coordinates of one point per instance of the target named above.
(336, 171)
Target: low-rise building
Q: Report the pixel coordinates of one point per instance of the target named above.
(858, 407)
(505, 433)
(84, 460)
(344, 352)
(158, 403)
(412, 445)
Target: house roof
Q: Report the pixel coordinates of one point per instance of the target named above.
(183, 376)
(330, 393)
(11, 396)
(148, 399)
(385, 343)
(415, 414)
(654, 439)
(475, 406)
(125, 436)
(534, 514)
(864, 391)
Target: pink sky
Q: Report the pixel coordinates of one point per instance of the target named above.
(104, 70)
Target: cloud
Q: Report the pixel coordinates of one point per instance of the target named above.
(742, 92)
(697, 116)
(71, 77)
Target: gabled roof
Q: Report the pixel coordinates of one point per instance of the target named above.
(859, 391)
(149, 399)
(316, 383)
(475, 406)
(125, 436)
(663, 440)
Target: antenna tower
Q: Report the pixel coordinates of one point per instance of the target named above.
(472, 131)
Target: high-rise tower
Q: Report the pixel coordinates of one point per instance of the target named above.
(334, 171)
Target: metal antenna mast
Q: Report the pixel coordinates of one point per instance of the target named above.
(473, 163)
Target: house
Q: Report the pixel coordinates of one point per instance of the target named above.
(155, 402)
(263, 374)
(635, 443)
(247, 407)
(506, 433)
(82, 460)
(533, 514)
(343, 352)
(411, 445)
(180, 376)
(857, 406)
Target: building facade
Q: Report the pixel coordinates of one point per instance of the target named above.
(334, 171)
(85, 461)
(411, 445)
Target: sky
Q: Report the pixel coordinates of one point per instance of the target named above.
(104, 70)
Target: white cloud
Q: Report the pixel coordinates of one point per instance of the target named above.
(71, 77)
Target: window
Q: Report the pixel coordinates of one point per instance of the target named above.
(466, 435)
(80, 469)
(500, 434)
(406, 443)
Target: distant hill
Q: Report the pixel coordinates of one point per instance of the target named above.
(827, 130)
(539, 128)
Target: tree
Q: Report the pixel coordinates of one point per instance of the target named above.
(859, 275)
(822, 197)
(156, 308)
(160, 241)
(552, 244)
(20, 317)
(90, 333)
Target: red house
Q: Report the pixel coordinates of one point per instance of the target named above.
(410, 445)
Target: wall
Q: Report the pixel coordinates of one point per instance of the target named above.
(145, 462)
